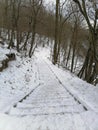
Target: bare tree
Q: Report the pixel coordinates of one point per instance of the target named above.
(55, 55)
(14, 11)
(89, 10)
(35, 6)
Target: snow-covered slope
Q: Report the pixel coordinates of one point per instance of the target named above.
(58, 100)
(15, 81)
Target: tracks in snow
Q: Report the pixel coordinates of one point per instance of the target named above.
(49, 98)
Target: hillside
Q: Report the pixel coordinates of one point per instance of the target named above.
(36, 95)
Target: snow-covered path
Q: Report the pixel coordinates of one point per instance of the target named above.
(49, 98)
(51, 106)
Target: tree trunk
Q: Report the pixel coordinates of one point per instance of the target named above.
(33, 38)
(55, 50)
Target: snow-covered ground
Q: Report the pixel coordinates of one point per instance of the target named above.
(3, 55)
(15, 81)
(58, 100)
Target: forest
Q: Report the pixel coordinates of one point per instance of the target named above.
(69, 27)
(48, 64)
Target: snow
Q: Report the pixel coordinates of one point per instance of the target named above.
(2, 54)
(86, 93)
(57, 102)
(16, 81)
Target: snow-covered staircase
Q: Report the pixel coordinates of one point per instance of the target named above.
(49, 98)
(50, 106)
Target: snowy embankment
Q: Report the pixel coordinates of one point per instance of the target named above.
(86, 93)
(15, 81)
(25, 74)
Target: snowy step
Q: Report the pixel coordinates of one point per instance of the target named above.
(48, 97)
(47, 94)
(57, 89)
(58, 100)
(24, 105)
(47, 110)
